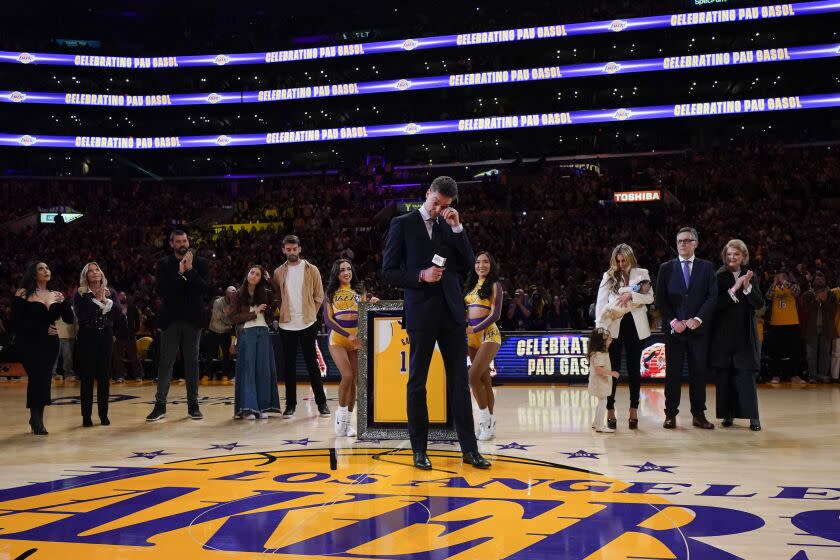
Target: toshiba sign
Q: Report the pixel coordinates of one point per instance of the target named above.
(637, 196)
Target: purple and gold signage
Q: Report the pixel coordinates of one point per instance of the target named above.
(708, 17)
(477, 124)
(496, 77)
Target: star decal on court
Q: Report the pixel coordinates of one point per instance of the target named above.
(148, 454)
(581, 454)
(304, 441)
(513, 445)
(650, 467)
(228, 446)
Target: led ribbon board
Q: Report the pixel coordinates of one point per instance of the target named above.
(730, 58)
(533, 120)
(729, 15)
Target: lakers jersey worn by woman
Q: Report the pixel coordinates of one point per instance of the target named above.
(343, 321)
(485, 327)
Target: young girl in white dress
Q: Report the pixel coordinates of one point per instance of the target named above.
(600, 376)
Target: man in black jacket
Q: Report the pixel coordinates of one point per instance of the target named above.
(426, 254)
(686, 293)
(182, 281)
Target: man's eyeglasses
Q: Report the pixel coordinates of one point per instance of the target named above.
(685, 241)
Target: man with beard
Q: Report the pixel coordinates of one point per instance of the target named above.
(182, 281)
(300, 293)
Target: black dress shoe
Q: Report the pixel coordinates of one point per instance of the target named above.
(633, 423)
(611, 423)
(37, 429)
(727, 422)
(36, 421)
(87, 422)
(421, 461)
(755, 425)
(670, 423)
(475, 459)
(104, 421)
(701, 422)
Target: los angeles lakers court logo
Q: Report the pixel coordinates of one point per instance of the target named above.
(354, 503)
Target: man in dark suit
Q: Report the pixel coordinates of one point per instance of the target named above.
(427, 254)
(686, 293)
(182, 281)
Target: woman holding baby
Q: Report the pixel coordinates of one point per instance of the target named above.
(621, 308)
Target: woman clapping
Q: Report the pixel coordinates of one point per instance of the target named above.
(735, 349)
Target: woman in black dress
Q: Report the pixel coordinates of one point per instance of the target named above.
(97, 312)
(34, 310)
(735, 349)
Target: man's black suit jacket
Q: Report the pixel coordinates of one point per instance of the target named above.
(408, 250)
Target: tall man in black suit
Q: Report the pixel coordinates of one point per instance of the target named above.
(686, 293)
(182, 281)
(427, 254)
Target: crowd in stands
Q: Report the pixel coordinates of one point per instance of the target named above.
(551, 228)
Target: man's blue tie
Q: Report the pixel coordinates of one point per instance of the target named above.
(686, 272)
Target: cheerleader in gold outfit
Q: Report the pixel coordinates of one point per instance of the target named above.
(341, 316)
(484, 307)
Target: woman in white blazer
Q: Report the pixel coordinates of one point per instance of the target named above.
(619, 287)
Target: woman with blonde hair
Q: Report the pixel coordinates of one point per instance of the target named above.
(96, 312)
(625, 284)
(735, 351)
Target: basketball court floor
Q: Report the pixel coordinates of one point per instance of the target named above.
(288, 488)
